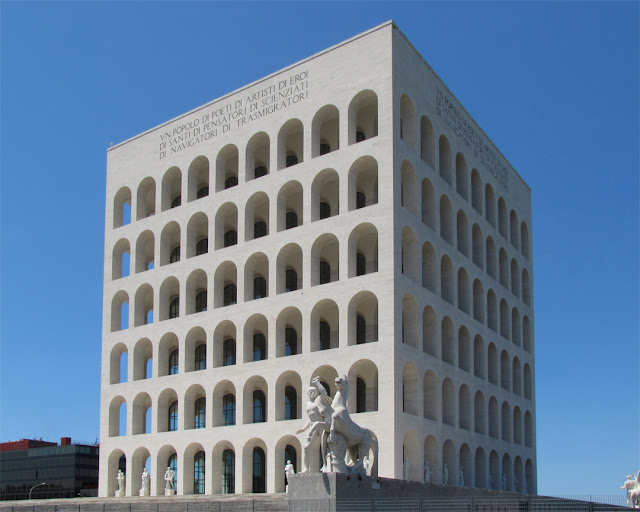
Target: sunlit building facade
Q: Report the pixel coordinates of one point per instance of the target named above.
(343, 216)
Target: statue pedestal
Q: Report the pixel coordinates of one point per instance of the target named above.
(119, 494)
(169, 492)
(144, 492)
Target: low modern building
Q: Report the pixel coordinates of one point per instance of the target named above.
(342, 216)
(66, 470)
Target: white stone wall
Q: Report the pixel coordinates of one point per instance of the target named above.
(341, 91)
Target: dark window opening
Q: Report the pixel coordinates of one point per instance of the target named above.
(291, 280)
(325, 210)
(228, 472)
(325, 336)
(174, 308)
(176, 202)
(290, 342)
(201, 357)
(173, 362)
(291, 220)
(259, 411)
(259, 288)
(259, 347)
(260, 171)
(361, 200)
(324, 149)
(228, 410)
(175, 255)
(230, 238)
(231, 182)
(230, 295)
(259, 471)
(173, 417)
(360, 136)
(201, 301)
(202, 247)
(290, 403)
(361, 264)
(361, 396)
(203, 192)
(291, 160)
(325, 272)
(229, 352)
(200, 413)
(259, 229)
(361, 330)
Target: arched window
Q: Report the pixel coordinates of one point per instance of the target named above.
(259, 229)
(202, 192)
(172, 462)
(230, 238)
(173, 362)
(174, 308)
(291, 280)
(259, 407)
(229, 352)
(290, 403)
(202, 247)
(361, 395)
(291, 160)
(324, 149)
(175, 255)
(260, 171)
(325, 335)
(228, 472)
(325, 272)
(361, 330)
(231, 182)
(259, 288)
(228, 410)
(290, 342)
(176, 202)
(361, 264)
(198, 473)
(325, 210)
(201, 357)
(291, 220)
(173, 417)
(259, 471)
(230, 295)
(361, 200)
(259, 347)
(200, 412)
(201, 301)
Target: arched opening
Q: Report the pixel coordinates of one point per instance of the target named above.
(464, 408)
(143, 360)
(465, 471)
(325, 260)
(462, 233)
(492, 311)
(118, 417)
(410, 389)
(256, 216)
(429, 268)
(288, 396)
(446, 219)
(145, 249)
(427, 142)
(224, 404)
(528, 382)
(226, 226)
(503, 223)
(476, 191)
(444, 158)
(196, 292)
(289, 332)
(363, 381)
(430, 396)
(504, 319)
(255, 400)
(256, 277)
(490, 205)
(409, 256)
(290, 143)
(170, 244)
(122, 207)
(195, 408)
(462, 176)
(121, 259)
(464, 293)
(477, 246)
(464, 350)
(363, 183)
(448, 402)
(171, 189)
(120, 311)
(432, 466)
(505, 370)
(363, 250)
(481, 468)
(526, 334)
(517, 426)
(479, 360)
(503, 267)
(479, 413)
(325, 131)
(225, 285)
(524, 240)
(118, 364)
(478, 301)
(492, 264)
(526, 287)
(429, 332)
(257, 156)
(514, 230)
(227, 167)
(146, 198)
(492, 356)
(325, 195)
(255, 344)
(506, 422)
(195, 350)
(198, 179)
(448, 349)
(224, 344)
(167, 411)
(428, 204)
(494, 418)
(363, 116)
(325, 326)
(143, 311)
(446, 280)
(197, 235)
(168, 362)
(363, 318)
(449, 463)
(289, 269)
(408, 188)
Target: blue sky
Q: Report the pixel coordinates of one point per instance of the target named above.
(554, 85)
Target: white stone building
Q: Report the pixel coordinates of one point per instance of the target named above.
(344, 215)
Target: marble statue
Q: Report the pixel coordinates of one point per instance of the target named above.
(445, 474)
(169, 475)
(358, 440)
(319, 419)
(405, 470)
(427, 473)
(288, 471)
(343, 443)
(145, 490)
(461, 477)
(504, 481)
(120, 479)
(632, 485)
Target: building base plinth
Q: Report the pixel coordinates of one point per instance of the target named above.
(144, 492)
(120, 494)
(169, 492)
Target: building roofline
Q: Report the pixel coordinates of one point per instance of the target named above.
(459, 102)
(256, 82)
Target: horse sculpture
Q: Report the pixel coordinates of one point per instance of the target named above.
(358, 440)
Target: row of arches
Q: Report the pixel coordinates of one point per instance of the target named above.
(455, 173)
(253, 283)
(483, 252)
(441, 340)
(485, 309)
(225, 228)
(251, 468)
(324, 255)
(256, 340)
(442, 401)
(478, 468)
(253, 401)
(257, 159)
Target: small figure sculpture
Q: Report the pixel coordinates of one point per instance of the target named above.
(405, 470)
(120, 492)
(365, 463)
(427, 473)
(146, 485)
(629, 485)
(504, 481)
(168, 482)
(461, 477)
(319, 419)
(445, 474)
(288, 471)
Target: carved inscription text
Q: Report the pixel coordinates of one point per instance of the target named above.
(463, 128)
(241, 109)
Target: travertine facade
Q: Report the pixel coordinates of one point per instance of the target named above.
(342, 216)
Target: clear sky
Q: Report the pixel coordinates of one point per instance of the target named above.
(553, 84)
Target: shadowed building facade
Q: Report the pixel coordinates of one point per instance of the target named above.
(343, 216)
